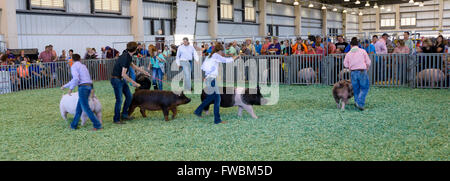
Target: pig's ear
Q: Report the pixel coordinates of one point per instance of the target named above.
(182, 93)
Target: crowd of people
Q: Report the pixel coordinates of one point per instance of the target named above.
(159, 54)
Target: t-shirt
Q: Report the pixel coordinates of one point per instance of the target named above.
(124, 61)
(275, 46)
(341, 46)
(431, 49)
(440, 46)
(258, 48)
(232, 51)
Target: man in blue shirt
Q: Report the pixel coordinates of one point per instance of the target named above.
(370, 49)
(258, 47)
(275, 46)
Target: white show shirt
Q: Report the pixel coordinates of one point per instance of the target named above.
(186, 53)
(211, 65)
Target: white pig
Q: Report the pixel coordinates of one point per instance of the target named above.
(433, 76)
(68, 104)
(307, 75)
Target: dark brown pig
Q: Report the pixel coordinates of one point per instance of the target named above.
(157, 100)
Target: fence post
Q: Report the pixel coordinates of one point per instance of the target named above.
(324, 70)
(412, 62)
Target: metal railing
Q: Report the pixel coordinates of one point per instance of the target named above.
(386, 70)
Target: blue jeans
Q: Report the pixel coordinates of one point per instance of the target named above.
(157, 76)
(213, 95)
(360, 83)
(83, 105)
(132, 74)
(121, 87)
(187, 74)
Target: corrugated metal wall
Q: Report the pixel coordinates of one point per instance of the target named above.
(72, 32)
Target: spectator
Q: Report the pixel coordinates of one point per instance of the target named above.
(173, 50)
(311, 50)
(54, 55)
(380, 45)
(103, 55)
(341, 44)
(139, 51)
(231, 50)
(166, 52)
(275, 47)
(22, 57)
(258, 47)
(157, 62)
(91, 54)
(440, 44)
(63, 56)
(251, 50)
(299, 47)
(331, 47)
(236, 47)
(23, 73)
(111, 53)
(318, 42)
(46, 55)
(319, 47)
(427, 47)
(401, 48)
(370, 48)
(288, 49)
(408, 42)
(69, 58)
(265, 47)
(374, 39)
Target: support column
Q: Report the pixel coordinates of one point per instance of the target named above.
(441, 14)
(360, 24)
(213, 19)
(344, 23)
(298, 20)
(262, 18)
(137, 20)
(397, 17)
(377, 20)
(324, 22)
(9, 23)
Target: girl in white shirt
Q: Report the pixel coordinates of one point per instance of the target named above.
(211, 68)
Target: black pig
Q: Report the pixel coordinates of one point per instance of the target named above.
(240, 97)
(157, 100)
(144, 81)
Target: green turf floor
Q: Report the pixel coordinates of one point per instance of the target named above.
(399, 124)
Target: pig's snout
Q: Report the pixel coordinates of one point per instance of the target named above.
(188, 100)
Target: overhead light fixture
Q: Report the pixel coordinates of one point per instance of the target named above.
(357, 2)
(345, 11)
(311, 5)
(360, 13)
(353, 12)
(324, 7)
(411, 1)
(388, 9)
(346, 0)
(382, 7)
(367, 4)
(296, 3)
(375, 6)
(416, 3)
(334, 9)
(279, 1)
(421, 4)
